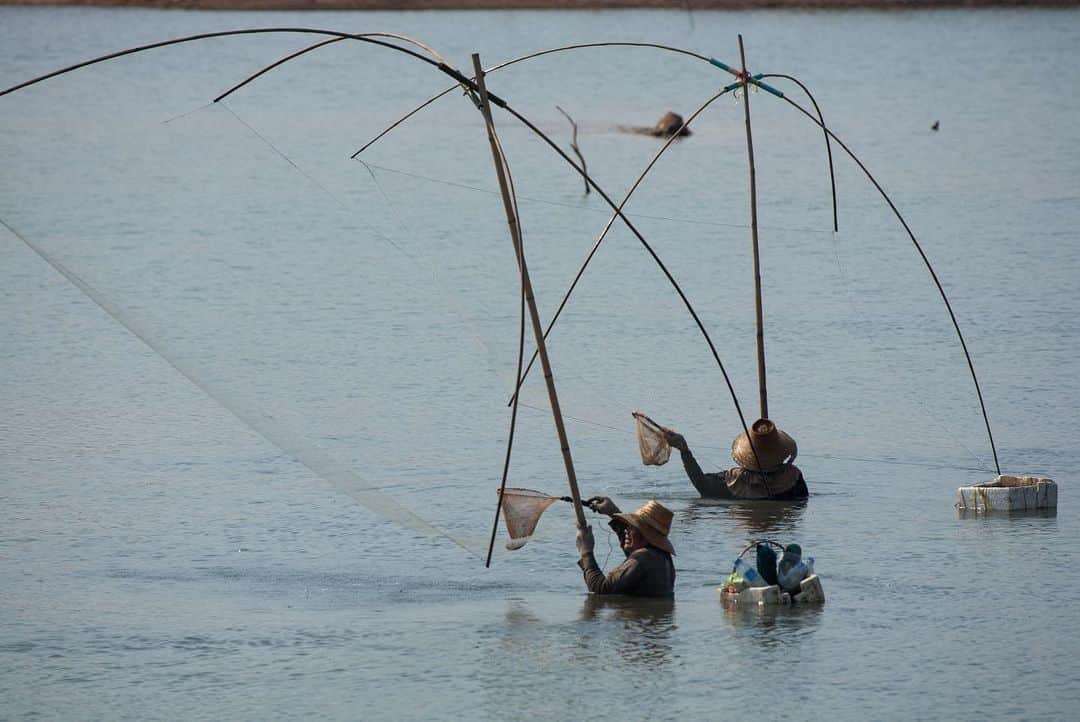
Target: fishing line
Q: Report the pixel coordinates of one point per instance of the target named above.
(489, 352)
(563, 204)
(611, 221)
(470, 86)
(610, 547)
(468, 83)
(345, 206)
(400, 220)
(622, 432)
(289, 160)
(184, 115)
(397, 219)
(819, 123)
(538, 54)
(390, 205)
(261, 422)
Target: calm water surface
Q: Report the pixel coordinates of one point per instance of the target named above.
(261, 487)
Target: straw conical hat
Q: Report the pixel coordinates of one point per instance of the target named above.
(772, 445)
(654, 522)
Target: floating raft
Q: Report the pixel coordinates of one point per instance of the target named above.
(810, 593)
(1008, 493)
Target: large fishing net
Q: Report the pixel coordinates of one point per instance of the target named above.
(521, 510)
(652, 441)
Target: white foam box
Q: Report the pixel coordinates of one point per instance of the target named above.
(1008, 493)
(810, 591)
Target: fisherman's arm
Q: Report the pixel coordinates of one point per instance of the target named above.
(713, 486)
(623, 579)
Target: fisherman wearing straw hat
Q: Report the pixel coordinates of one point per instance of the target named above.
(648, 570)
(764, 468)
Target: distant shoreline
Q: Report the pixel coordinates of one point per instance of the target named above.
(549, 4)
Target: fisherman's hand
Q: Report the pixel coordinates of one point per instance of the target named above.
(585, 541)
(675, 439)
(602, 505)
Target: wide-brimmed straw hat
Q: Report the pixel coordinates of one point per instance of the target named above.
(773, 447)
(653, 521)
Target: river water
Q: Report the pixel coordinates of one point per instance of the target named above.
(255, 480)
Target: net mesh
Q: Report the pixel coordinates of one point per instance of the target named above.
(652, 442)
(521, 510)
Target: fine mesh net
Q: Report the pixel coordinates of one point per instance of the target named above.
(652, 443)
(521, 510)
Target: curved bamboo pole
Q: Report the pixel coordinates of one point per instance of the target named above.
(531, 56)
(671, 279)
(316, 46)
(509, 206)
(926, 262)
(828, 143)
(607, 228)
(220, 34)
(466, 82)
(471, 86)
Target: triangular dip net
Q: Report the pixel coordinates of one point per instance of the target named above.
(521, 510)
(652, 443)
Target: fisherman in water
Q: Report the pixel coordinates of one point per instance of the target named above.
(648, 570)
(763, 470)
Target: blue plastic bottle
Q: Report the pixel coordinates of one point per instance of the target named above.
(791, 576)
(750, 575)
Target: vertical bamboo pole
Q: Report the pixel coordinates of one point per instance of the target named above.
(534, 316)
(763, 394)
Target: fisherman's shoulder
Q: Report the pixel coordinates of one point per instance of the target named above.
(648, 556)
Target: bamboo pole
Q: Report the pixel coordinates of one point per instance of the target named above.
(526, 284)
(759, 315)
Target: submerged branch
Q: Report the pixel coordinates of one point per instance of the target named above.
(576, 149)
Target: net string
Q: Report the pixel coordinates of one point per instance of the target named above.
(260, 421)
(445, 296)
(563, 204)
(613, 403)
(381, 503)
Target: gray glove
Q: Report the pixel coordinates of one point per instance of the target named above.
(585, 541)
(675, 439)
(602, 505)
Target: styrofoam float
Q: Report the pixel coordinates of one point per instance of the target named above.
(810, 592)
(1008, 493)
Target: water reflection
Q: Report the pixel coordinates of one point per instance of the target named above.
(755, 517)
(1008, 514)
(775, 624)
(647, 625)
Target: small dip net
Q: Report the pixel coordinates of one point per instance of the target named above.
(652, 442)
(521, 510)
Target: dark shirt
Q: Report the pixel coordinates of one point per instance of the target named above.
(648, 572)
(738, 483)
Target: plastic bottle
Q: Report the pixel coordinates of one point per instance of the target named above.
(750, 575)
(790, 578)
